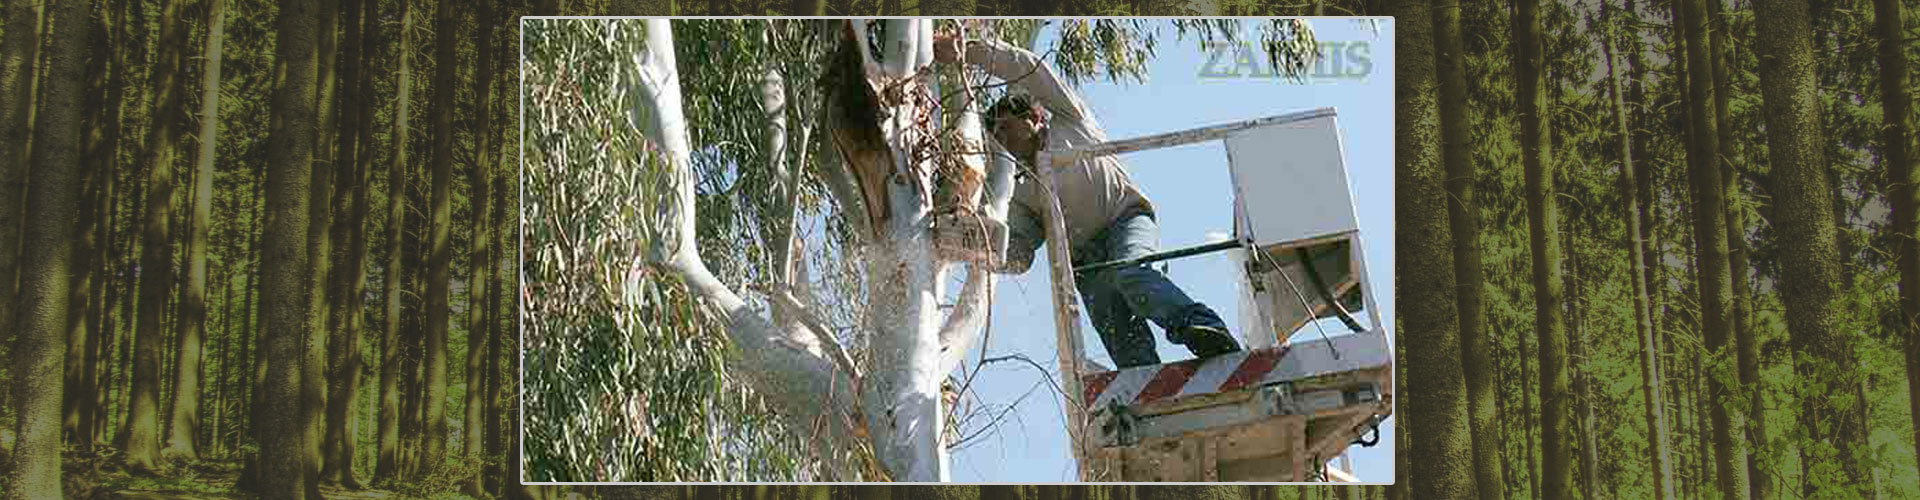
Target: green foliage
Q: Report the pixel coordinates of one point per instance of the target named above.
(625, 379)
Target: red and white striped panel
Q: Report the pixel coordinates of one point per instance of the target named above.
(1240, 370)
(1146, 384)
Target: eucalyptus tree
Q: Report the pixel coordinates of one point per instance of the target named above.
(901, 397)
(787, 116)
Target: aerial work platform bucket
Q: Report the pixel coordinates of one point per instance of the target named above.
(1280, 410)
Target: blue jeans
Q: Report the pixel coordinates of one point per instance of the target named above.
(1120, 300)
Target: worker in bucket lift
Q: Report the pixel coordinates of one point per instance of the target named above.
(1107, 217)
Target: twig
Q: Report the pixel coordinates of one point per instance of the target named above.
(992, 425)
(1029, 361)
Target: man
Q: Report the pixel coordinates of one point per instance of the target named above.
(1107, 217)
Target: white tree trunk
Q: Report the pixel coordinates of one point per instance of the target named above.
(785, 367)
(900, 394)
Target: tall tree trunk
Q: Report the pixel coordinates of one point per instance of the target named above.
(1749, 429)
(1428, 311)
(501, 323)
(478, 255)
(906, 324)
(128, 284)
(1685, 406)
(495, 385)
(413, 335)
(313, 364)
(1896, 146)
(514, 490)
(227, 346)
(1661, 391)
(1556, 434)
(184, 423)
(100, 360)
(1744, 349)
(286, 463)
(371, 19)
(1658, 454)
(76, 402)
(93, 422)
(53, 202)
(156, 263)
(22, 50)
(1582, 368)
(387, 465)
(1710, 244)
(445, 68)
(1803, 215)
(343, 338)
(1530, 414)
(1703, 427)
(1463, 214)
(257, 369)
(129, 281)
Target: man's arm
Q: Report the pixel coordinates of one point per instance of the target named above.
(1026, 70)
(1024, 236)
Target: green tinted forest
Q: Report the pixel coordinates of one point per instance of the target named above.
(257, 247)
(1659, 250)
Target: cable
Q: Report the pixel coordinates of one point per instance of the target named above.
(1313, 276)
(1303, 300)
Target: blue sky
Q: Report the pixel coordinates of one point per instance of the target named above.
(1190, 188)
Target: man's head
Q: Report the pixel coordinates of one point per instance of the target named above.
(1018, 123)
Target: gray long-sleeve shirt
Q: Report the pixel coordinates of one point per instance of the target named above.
(1094, 192)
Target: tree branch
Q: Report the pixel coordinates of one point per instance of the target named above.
(834, 351)
(782, 367)
(969, 315)
(964, 324)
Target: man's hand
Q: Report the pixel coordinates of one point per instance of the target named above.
(946, 48)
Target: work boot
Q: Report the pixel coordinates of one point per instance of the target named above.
(1205, 341)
